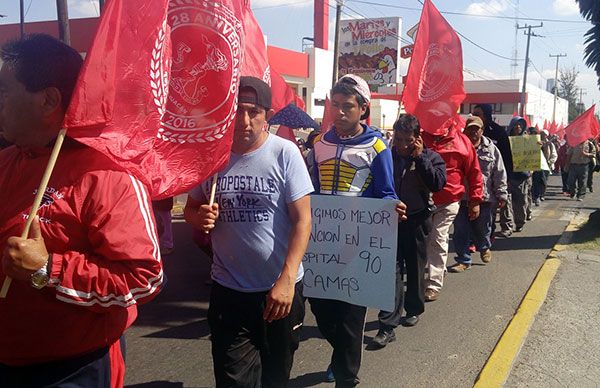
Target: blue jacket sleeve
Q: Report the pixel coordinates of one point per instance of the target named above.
(382, 171)
(432, 170)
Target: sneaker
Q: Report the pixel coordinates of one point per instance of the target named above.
(519, 229)
(542, 199)
(591, 189)
(537, 202)
(383, 338)
(504, 234)
(579, 199)
(410, 320)
(431, 295)
(486, 256)
(529, 217)
(329, 377)
(459, 267)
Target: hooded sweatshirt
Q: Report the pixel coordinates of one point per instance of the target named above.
(357, 167)
(516, 176)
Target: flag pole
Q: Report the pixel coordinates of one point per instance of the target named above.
(213, 190)
(38, 198)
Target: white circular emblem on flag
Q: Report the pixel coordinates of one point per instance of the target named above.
(437, 73)
(205, 57)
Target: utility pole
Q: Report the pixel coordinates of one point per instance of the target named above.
(580, 106)
(523, 90)
(555, 85)
(336, 43)
(62, 12)
(22, 24)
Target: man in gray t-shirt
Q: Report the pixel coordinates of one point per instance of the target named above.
(259, 225)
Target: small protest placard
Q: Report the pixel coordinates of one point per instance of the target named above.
(526, 153)
(351, 254)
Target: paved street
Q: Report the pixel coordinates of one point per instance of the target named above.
(169, 344)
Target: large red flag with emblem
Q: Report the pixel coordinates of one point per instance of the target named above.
(158, 90)
(582, 128)
(434, 84)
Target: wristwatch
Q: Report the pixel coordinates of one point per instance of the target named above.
(40, 278)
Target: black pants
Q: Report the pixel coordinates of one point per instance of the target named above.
(412, 253)
(90, 370)
(590, 176)
(247, 351)
(564, 175)
(343, 325)
(540, 182)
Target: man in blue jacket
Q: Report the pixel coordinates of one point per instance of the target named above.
(353, 160)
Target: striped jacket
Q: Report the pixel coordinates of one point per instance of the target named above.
(97, 223)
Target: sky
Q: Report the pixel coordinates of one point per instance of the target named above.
(488, 23)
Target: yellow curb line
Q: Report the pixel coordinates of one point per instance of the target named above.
(498, 367)
(496, 370)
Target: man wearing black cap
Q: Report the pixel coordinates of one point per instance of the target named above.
(499, 137)
(259, 225)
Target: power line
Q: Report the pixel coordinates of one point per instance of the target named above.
(468, 14)
(282, 5)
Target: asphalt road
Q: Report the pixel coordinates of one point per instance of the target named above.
(169, 344)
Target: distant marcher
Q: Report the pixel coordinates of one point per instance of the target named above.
(518, 182)
(499, 137)
(592, 167)
(495, 194)
(578, 159)
(540, 178)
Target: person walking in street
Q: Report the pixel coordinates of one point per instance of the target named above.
(418, 171)
(463, 175)
(495, 194)
(351, 159)
(592, 167)
(578, 159)
(540, 178)
(518, 182)
(92, 253)
(259, 226)
(563, 166)
(499, 137)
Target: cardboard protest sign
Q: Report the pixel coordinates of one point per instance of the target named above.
(526, 153)
(351, 255)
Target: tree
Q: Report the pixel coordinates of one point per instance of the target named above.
(590, 10)
(567, 89)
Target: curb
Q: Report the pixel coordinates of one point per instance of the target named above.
(497, 368)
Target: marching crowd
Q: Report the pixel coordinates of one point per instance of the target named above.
(93, 253)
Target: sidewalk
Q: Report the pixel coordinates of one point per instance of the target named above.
(562, 348)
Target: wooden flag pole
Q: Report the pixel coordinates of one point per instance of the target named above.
(38, 197)
(213, 190)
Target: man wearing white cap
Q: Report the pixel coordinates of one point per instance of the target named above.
(349, 160)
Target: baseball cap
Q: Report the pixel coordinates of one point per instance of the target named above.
(474, 121)
(262, 92)
(358, 84)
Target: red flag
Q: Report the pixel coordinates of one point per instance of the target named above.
(434, 87)
(545, 124)
(327, 122)
(553, 129)
(256, 64)
(582, 128)
(286, 133)
(537, 127)
(158, 89)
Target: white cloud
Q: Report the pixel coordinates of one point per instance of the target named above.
(272, 3)
(490, 7)
(83, 8)
(565, 7)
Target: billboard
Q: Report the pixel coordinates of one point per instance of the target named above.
(370, 48)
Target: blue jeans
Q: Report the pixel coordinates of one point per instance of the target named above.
(478, 231)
